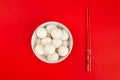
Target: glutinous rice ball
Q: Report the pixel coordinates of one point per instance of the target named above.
(50, 27)
(41, 32)
(63, 50)
(46, 40)
(39, 49)
(57, 42)
(56, 33)
(53, 57)
(49, 49)
(65, 35)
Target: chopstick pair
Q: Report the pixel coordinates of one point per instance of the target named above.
(88, 41)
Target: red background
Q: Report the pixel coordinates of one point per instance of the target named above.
(19, 18)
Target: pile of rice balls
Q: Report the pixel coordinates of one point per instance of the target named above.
(52, 42)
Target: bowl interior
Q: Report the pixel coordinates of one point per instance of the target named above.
(59, 25)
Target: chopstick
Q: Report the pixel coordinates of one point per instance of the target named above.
(88, 41)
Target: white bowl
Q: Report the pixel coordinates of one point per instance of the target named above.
(59, 25)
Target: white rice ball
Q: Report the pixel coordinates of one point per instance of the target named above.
(39, 49)
(46, 40)
(63, 50)
(41, 32)
(49, 49)
(38, 41)
(50, 27)
(65, 35)
(56, 33)
(53, 57)
(65, 43)
(57, 42)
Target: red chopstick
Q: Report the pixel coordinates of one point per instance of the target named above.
(88, 41)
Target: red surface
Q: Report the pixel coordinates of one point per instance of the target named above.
(19, 18)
